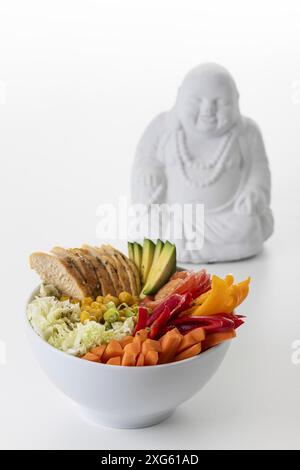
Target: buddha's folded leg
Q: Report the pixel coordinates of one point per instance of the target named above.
(227, 236)
(267, 224)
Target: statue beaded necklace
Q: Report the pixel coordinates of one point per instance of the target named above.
(192, 167)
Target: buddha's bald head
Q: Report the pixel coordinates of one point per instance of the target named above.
(208, 100)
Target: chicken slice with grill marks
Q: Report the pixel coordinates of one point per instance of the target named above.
(104, 278)
(76, 262)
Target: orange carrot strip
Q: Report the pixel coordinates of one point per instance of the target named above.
(129, 359)
(172, 332)
(142, 334)
(141, 360)
(151, 345)
(169, 345)
(217, 338)
(164, 338)
(140, 337)
(91, 357)
(137, 340)
(133, 348)
(113, 349)
(98, 351)
(191, 338)
(126, 340)
(114, 361)
(151, 358)
(190, 352)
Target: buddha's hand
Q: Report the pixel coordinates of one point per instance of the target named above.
(251, 202)
(149, 185)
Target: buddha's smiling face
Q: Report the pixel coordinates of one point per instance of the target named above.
(208, 103)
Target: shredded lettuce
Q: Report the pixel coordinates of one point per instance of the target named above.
(59, 324)
(46, 314)
(86, 336)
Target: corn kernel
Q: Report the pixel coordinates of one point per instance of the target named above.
(75, 301)
(87, 308)
(95, 305)
(125, 298)
(64, 298)
(93, 318)
(84, 316)
(103, 308)
(110, 298)
(100, 299)
(87, 301)
(96, 313)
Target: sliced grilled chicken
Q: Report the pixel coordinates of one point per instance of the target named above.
(60, 272)
(89, 271)
(125, 271)
(112, 269)
(102, 274)
(132, 270)
(112, 279)
(79, 266)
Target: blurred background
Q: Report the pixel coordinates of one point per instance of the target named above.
(81, 80)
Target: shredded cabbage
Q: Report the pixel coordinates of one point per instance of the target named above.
(59, 324)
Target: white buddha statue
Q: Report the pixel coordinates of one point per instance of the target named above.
(204, 151)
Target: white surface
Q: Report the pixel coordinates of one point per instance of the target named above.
(65, 66)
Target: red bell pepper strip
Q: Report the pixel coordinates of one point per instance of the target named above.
(202, 288)
(184, 329)
(142, 319)
(236, 318)
(160, 323)
(238, 323)
(172, 301)
(176, 303)
(205, 321)
(212, 324)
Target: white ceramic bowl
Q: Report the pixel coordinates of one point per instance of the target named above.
(126, 397)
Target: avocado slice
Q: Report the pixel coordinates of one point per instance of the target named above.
(147, 259)
(158, 249)
(162, 270)
(138, 254)
(130, 251)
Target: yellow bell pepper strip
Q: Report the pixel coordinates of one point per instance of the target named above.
(223, 297)
(229, 279)
(199, 300)
(240, 291)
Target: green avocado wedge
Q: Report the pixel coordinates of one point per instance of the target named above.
(138, 254)
(158, 249)
(130, 251)
(147, 258)
(161, 270)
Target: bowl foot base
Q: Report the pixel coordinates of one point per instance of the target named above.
(102, 419)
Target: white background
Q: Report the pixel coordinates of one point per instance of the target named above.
(79, 81)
